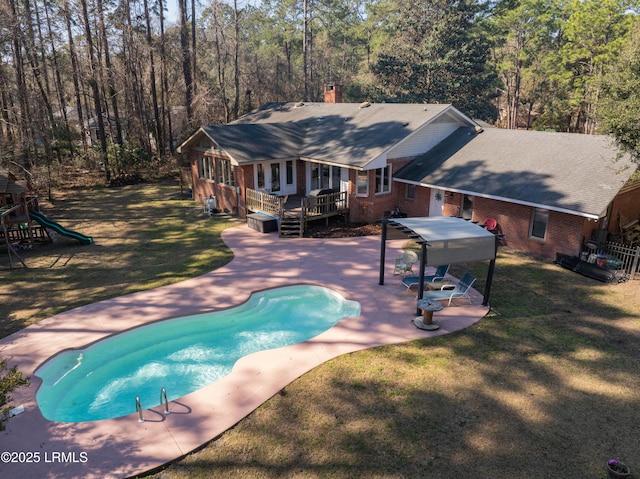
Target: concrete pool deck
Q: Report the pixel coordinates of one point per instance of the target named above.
(124, 447)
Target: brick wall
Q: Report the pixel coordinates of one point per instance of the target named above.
(370, 208)
(564, 234)
(226, 196)
(419, 205)
(201, 188)
(373, 207)
(452, 202)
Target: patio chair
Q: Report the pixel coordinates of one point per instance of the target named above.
(491, 224)
(439, 275)
(404, 264)
(460, 290)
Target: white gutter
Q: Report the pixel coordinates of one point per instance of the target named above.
(505, 199)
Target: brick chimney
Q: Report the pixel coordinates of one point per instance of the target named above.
(333, 93)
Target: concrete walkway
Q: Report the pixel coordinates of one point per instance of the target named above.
(124, 447)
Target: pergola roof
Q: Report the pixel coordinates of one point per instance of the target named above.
(445, 240)
(450, 240)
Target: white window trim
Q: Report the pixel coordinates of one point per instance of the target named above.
(407, 188)
(206, 168)
(546, 225)
(389, 179)
(226, 173)
(366, 175)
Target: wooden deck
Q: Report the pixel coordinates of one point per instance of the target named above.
(294, 212)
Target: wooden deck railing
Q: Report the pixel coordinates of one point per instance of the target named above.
(325, 205)
(312, 207)
(260, 202)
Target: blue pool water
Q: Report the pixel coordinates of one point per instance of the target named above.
(182, 355)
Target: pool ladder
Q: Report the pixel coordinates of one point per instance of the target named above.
(139, 409)
(163, 400)
(163, 395)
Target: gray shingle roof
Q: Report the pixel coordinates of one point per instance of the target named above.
(341, 133)
(258, 142)
(561, 171)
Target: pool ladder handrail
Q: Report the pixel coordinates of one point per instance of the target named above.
(139, 409)
(163, 395)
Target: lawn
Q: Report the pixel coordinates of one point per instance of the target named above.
(545, 386)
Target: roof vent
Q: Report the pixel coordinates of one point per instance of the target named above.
(479, 129)
(364, 104)
(299, 104)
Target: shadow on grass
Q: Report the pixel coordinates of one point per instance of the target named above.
(545, 386)
(144, 238)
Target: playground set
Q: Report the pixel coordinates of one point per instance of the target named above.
(22, 223)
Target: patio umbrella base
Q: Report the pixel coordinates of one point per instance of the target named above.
(427, 327)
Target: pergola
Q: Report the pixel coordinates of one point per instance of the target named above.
(449, 240)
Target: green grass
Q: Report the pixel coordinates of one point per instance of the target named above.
(545, 386)
(145, 236)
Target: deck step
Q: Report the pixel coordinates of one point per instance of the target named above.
(291, 226)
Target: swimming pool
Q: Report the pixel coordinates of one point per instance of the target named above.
(182, 354)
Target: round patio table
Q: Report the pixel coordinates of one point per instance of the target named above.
(426, 320)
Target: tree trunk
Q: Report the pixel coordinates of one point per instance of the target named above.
(186, 60)
(111, 90)
(154, 94)
(194, 70)
(164, 90)
(220, 61)
(305, 72)
(23, 116)
(93, 83)
(58, 80)
(236, 54)
(76, 76)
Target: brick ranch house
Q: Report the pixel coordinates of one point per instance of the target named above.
(548, 191)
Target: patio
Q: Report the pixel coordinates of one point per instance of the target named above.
(124, 447)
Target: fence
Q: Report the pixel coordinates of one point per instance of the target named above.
(629, 257)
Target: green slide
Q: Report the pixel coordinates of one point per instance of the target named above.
(47, 223)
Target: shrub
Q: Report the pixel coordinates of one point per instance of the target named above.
(10, 380)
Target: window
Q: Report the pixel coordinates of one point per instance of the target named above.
(335, 178)
(539, 223)
(260, 176)
(275, 178)
(205, 168)
(324, 176)
(466, 210)
(324, 183)
(410, 191)
(314, 182)
(225, 172)
(383, 179)
(289, 170)
(362, 183)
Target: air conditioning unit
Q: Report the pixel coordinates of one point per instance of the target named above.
(211, 205)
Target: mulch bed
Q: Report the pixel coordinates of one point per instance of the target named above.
(339, 229)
